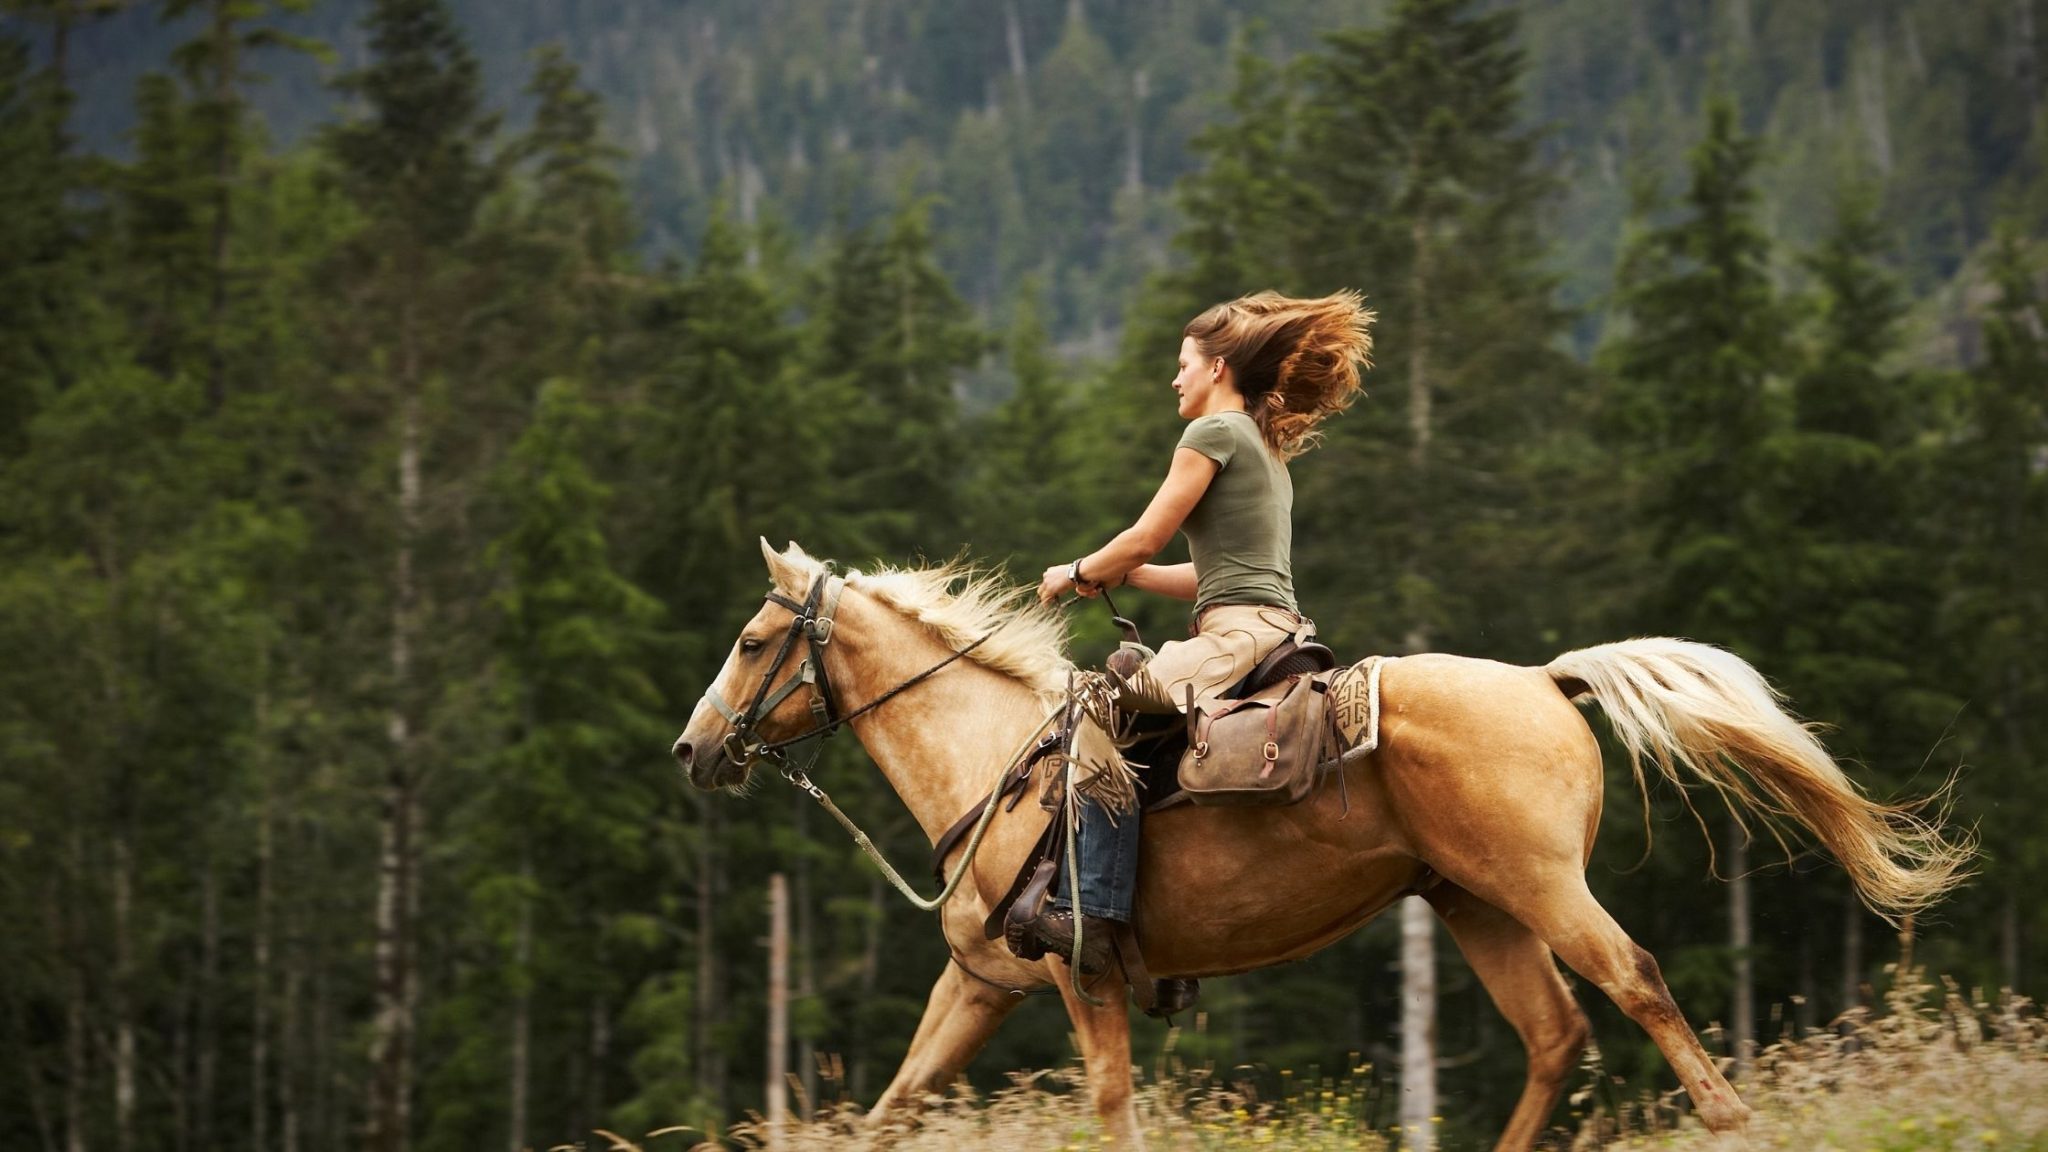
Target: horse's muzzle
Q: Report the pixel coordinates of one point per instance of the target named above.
(710, 771)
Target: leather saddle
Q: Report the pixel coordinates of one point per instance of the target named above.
(1154, 748)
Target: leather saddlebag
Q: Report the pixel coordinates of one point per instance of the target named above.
(1266, 749)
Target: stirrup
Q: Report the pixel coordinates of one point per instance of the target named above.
(1172, 995)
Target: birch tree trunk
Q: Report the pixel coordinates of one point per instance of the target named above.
(1418, 923)
(776, 1088)
(389, 1121)
(1418, 1024)
(121, 993)
(75, 1070)
(1852, 952)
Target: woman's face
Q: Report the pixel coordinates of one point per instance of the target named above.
(1198, 380)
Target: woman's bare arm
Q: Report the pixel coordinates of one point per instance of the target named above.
(1175, 580)
(1185, 483)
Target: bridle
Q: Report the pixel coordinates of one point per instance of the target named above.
(812, 620)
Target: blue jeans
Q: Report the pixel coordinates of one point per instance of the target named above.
(1107, 855)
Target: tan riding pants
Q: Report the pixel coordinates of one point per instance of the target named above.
(1229, 641)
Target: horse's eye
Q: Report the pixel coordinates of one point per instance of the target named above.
(750, 645)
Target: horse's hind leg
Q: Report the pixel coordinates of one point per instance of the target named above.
(959, 1018)
(1523, 980)
(1556, 905)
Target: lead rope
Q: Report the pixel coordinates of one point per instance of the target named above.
(988, 811)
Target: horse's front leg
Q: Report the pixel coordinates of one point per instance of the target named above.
(1105, 1037)
(958, 1020)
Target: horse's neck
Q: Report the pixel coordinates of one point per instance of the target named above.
(942, 742)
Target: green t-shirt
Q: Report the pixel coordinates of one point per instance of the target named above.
(1241, 533)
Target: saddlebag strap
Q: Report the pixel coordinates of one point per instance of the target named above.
(1013, 790)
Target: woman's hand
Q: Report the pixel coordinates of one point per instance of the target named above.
(1056, 583)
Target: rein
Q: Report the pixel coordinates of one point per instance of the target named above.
(813, 620)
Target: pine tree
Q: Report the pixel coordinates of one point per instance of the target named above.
(1847, 595)
(213, 65)
(1995, 508)
(887, 340)
(1707, 337)
(411, 162)
(1021, 447)
(559, 836)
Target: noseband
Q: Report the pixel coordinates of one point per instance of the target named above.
(812, 620)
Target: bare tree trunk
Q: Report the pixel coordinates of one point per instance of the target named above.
(522, 1012)
(32, 1063)
(326, 1130)
(2009, 940)
(207, 1061)
(1743, 1023)
(806, 961)
(1418, 1025)
(259, 1005)
(1134, 165)
(776, 1089)
(600, 1052)
(389, 1122)
(225, 64)
(75, 1071)
(1013, 38)
(121, 992)
(709, 1060)
(870, 970)
(1852, 951)
(2026, 63)
(289, 1050)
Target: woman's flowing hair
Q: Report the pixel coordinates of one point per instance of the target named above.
(1297, 361)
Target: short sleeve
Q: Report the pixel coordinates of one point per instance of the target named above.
(1211, 436)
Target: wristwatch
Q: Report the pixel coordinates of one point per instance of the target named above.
(1074, 574)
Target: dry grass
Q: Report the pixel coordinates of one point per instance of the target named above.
(1935, 1072)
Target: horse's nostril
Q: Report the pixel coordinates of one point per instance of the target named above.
(683, 751)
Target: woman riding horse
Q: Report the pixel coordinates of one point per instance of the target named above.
(1257, 376)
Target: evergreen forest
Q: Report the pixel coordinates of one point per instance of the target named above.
(393, 394)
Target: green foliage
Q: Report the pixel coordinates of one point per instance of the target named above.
(218, 363)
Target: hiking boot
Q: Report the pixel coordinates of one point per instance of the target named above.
(1056, 932)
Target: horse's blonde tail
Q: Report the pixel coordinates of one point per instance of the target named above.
(1675, 700)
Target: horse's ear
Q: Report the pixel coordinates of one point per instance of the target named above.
(769, 556)
(785, 569)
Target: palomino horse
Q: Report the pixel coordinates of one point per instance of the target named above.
(1484, 797)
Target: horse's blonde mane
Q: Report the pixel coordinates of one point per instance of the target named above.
(960, 604)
